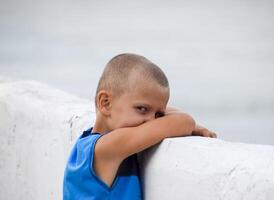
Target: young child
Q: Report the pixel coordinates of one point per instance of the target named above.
(131, 115)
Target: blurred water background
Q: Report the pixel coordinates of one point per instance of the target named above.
(217, 54)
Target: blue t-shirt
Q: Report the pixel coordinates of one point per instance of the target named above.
(81, 182)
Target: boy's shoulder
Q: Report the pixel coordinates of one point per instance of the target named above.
(80, 173)
(83, 148)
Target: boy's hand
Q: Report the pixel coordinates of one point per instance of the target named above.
(202, 131)
(198, 130)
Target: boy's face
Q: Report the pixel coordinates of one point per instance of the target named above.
(144, 102)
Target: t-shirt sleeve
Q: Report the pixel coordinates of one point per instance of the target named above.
(93, 173)
(92, 152)
(80, 179)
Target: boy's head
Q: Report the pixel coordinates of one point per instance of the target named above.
(131, 91)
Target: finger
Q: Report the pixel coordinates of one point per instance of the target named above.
(197, 133)
(213, 135)
(207, 133)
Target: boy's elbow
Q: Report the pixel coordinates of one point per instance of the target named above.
(189, 124)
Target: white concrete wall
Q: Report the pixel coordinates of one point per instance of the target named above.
(197, 168)
(38, 125)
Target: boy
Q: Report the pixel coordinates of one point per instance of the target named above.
(131, 115)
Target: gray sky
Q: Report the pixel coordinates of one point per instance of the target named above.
(218, 55)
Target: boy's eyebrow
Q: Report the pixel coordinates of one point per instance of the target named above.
(142, 103)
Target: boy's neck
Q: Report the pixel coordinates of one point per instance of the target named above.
(100, 126)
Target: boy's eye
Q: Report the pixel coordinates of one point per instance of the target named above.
(159, 114)
(141, 109)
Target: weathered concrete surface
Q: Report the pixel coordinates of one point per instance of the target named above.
(198, 168)
(39, 124)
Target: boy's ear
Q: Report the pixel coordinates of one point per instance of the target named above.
(104, 102)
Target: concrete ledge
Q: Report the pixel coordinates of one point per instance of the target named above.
(38, 125)
(210, 169)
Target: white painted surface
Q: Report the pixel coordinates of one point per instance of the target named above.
(198, 168)
(38, 125)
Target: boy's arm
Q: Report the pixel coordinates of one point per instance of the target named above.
(123, 142)
(112, 148)
(198, 130)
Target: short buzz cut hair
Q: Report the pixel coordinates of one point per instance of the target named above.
(115, 77)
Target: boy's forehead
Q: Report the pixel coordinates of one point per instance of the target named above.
(141, 79)
(146, 90)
